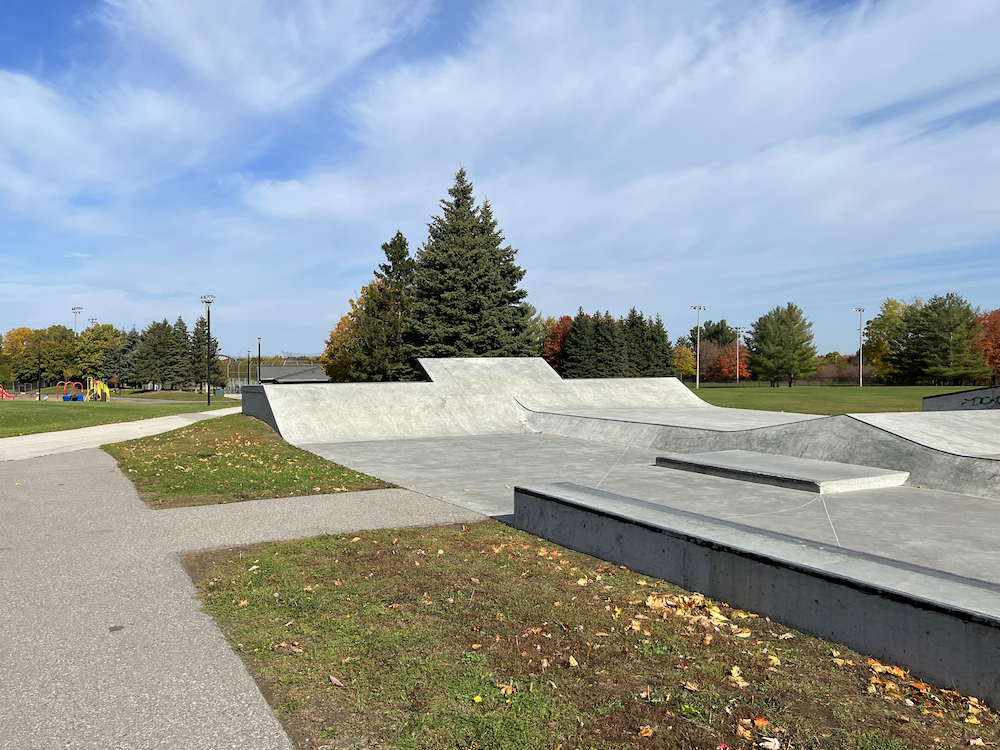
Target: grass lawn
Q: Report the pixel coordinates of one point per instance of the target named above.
(171, 396)
(482, 636)
(820, 399)
(228, 459)
(29, 417)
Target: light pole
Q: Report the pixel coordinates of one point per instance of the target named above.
(861, 343)
(258, 360)
(208, 299)
(76, 311)
(739, 332)
(92, 321)
(248, 367)
(697, 357)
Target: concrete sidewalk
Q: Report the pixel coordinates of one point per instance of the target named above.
(102, 644)
(66, 441)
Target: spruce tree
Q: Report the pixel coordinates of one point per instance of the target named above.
(579, 352)
(636, 330)
(127, 374)
(381, 319)
(153, 358)
(180, 370)
(941, 342)
(466, 299)
(659, 351)
(610, 349)
(781, 344)
(200, 348)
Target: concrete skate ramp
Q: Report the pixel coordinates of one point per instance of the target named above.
(471, 396)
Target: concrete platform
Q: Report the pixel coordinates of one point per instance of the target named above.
(825, 477)
(943, 627)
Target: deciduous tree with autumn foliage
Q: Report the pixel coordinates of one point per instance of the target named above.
(989, 342)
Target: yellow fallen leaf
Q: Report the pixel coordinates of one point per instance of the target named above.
(646, 731)
(573, 662)
(582, 582)
(477, 645)
(692, 686)
(356, 539)
(774, 660)
(839, 662)
(972, 720)
(506, 689)
(760, 722)
(243, 603)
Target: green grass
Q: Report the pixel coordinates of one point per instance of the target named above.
(171, 396)
(482, 636)
(819, 399)
(228, 459)
(30, 417)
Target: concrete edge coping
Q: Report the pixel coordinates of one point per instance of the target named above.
(806, 474)
(964, 598)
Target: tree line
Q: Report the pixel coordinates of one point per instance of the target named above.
(163, 354)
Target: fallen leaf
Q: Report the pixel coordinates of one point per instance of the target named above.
(773, 660)
(835, 652)
(972, 720)
(707, 639)
(243, 603)
(760, 722)
(573, 662)
(477, 645)
(770, 743)
(646, 731)
(692, 686)
(839, 662)
(785, 636)
(545, 663)
(336, 682)
(506, 689)
(976, 742)
(355, 539)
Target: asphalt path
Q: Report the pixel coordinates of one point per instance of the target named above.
(103, 645)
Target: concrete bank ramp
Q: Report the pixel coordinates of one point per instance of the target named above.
(468, 396)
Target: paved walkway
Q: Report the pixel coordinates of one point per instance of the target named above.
(101, 644)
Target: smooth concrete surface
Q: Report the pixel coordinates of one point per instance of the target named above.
(65, 441)
(940, 530)
(809, 475)
(101, 644)
(974, 398)
(944, 628)
(957, 452)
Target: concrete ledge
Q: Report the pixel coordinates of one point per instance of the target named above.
(806, 474)
(975, 398)
(943, 627)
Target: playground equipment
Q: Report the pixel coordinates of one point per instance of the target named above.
(66, 389)
(4, 394)
(97, 390)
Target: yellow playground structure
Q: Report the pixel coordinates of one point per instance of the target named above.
(97, 390)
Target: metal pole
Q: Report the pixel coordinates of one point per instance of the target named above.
(258, 360)
(739, 332)
(248, 367)
(861, 345)
(697, 359)
(208, 299)
(76, 311)
(39, 370)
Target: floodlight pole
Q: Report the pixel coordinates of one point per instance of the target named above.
(739, 332)
(208, 299)
(697, 359)
(258, 360)
(861, 343)
(76, 311)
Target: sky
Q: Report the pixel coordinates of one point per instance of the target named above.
(733, 155)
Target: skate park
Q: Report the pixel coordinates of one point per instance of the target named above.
(873, 530)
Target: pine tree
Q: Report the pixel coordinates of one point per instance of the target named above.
(610, 349)
(129, 353)
(381, 318)
(580, 352)
(466, 300)
(942, 339)
(781, 345)
(153, 359)
(660, 355)
(199, 350)
(637, 344)
(180, 370)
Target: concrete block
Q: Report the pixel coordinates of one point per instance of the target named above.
(943, 627)
(973, 399)
(810, 475)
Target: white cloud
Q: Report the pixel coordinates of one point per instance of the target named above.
(268, 54)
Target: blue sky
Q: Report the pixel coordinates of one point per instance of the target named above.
(737, 155)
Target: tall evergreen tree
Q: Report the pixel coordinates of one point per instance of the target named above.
(153, 359)
(381, 318)
(610, 348)
(635, 327)
(942, 339)
(129, 354)
(580, 351)
(781, 344)
(181, 370)
(466, 300)
(717, 332)
(660, 354)
(200, 350)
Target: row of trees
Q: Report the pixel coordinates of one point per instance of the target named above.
(942, 340)
(164, 354)
(458, 297)
(601, 346)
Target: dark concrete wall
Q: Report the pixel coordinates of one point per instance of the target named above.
(255, 404)
(976, 398)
